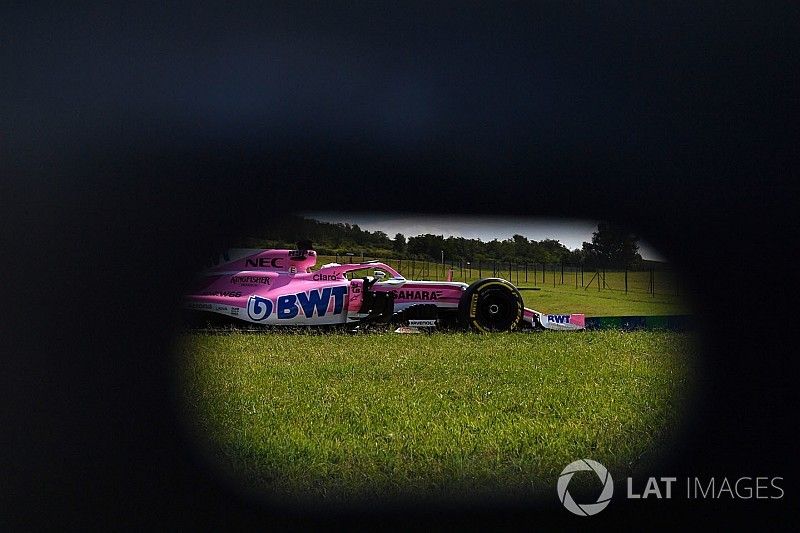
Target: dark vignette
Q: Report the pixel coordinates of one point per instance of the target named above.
(122, 171)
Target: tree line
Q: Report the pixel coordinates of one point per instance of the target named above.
(611, 246)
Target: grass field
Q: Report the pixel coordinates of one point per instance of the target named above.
(570, 297)
(565, 299)
(339, 416)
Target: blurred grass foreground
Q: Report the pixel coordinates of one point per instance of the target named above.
(378, 416)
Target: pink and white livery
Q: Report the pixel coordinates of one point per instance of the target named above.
(279, 288)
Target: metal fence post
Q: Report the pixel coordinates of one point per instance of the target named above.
(626, 280)
(654, 282)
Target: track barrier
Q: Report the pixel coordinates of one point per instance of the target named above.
(629, 323)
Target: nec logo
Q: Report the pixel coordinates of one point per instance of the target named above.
(263, 262)
(558, 319)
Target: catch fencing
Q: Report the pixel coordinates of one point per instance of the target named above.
(650, 279)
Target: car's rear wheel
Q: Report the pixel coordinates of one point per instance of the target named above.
(491, 304)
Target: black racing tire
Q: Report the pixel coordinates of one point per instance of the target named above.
(491, 304)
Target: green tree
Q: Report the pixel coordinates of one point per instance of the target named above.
(612, 246)
(399, 243)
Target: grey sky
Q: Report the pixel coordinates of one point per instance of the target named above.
(571, 233)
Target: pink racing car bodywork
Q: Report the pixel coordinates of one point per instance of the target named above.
(279, 287)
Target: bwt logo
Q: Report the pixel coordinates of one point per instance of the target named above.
(286, 307)
(259, 308)
(558, 319)
(585, 509)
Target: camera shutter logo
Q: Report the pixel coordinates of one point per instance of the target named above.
(585, 509)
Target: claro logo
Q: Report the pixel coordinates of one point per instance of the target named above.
(585, 509)
(326, 277)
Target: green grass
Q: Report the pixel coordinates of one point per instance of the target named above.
(338, 416)
(602, 303)
(611, 300)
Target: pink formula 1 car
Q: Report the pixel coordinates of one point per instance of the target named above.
(279, 288)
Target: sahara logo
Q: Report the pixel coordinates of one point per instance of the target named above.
(585, 509)
(417, 295)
